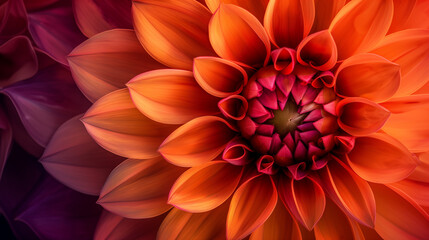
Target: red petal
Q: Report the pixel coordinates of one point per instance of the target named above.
(173, 32)
(380, 158)
(326, 11)
(171, 96)
(196, 142)
(237, 35)
(251, 206)
(255, 7)
(360, 25)
(318, 50)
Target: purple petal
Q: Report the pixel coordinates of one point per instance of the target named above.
(5, 140)
(13, 19)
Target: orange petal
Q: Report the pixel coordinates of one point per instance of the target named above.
(360, 25)
(173, 32)
(408, 122)
(318, 50)
(305, 199)
(369, 76)
(280, 225)
(409, 49)
(75, 160)
(255, 7)
(360, 117)
(417, 190)
(251, 205)
(196, 142)
(418, 16)
(401, 14)
(380, 158)
(398, 216)
(205, 187)
(107, 61)
(171, 96)
(113, 227)
(326, 11)
(219, 77)
(139, 188)
(183, 225)
(237, 35)
(288, 21)
(115, 124)
(351, 193)
(335, 225)
(422, 170)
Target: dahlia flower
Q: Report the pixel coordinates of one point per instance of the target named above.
(279, 119)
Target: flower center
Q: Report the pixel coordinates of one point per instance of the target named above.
(288, 119)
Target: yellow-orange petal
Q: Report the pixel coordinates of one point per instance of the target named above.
(173, 32)
(409, 121)
(335, 225)
(107, 61)
(139, 188)
(380, 158)
(255, 7)
(74, 159)
(219, 77)
(318, 50)
(196, 142)
(289, 21)
(116, 125)
(409, 49)
(114, 227)
(237, 35)
(305, 199)
(205, 187)
(183, 225)
(398, 216)
(251, 205)
(171, 96)
(369, 76)
(280, 225)
(326, 11)
(360, 116)
(350, 192)
(360, 25)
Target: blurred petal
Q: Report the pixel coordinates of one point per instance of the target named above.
(74, 159)
(183, 225)
(45, 101)
(237, 35)
(409, 222)
(409, 49)
(287, 21)
(335, 225)
(326, 11)
(219, 77)
(196, 142)
(18, 61)
(417, 190)
(54, 30)
(13, 19)
(304, 198)
(368, 76)
(107, 61)
(95, 16)
(139, 188)
(171, 96)
(32, 5)
(351, 193)
(54, 211)
(360, 25)
(418, 16)
(173, 32)
(116, 124)
(380, 158)
(318, 50)
(359, 116)
(5, 140)
(251, 205)
(280, 225)
(401, 14)
(205, 187)
(408, 121)
(255, 7)
(114, 227)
